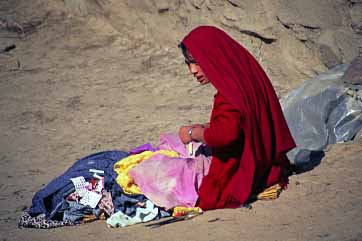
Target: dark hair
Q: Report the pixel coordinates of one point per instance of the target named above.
(188, 57)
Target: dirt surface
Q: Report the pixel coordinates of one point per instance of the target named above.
(88, 76)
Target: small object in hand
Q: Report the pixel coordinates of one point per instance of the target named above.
(190, 148)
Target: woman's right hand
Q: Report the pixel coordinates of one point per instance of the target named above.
(197, 133)
(184, 134)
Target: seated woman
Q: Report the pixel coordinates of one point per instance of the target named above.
(247, 132)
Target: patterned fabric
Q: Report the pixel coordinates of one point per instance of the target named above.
(145, 213)
(106, 203)
(40, 222)
(73, 197)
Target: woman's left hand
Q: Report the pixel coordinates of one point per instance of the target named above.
(184, 134)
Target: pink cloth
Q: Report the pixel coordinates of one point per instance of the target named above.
(170, 182)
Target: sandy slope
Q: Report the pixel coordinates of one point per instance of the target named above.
(102, 80)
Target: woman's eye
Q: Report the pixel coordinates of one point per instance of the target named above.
(188, 62)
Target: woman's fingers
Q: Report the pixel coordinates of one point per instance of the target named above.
(184, 134)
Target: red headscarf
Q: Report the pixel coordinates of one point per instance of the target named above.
(240, 79)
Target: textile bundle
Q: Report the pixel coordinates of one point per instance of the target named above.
(114, 185)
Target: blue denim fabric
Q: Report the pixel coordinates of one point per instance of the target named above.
(125, 202)
(51, 198)
(74, 212)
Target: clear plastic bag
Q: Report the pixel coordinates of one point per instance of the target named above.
(322, 111)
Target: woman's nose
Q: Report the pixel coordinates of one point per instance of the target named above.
(193, 68)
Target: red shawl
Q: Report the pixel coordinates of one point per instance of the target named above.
(239, 78)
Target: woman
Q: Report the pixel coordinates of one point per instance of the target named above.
(247, 132)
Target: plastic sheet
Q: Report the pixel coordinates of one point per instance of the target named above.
(322, 111)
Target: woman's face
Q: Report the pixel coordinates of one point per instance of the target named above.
(198, 73)
(196, 70)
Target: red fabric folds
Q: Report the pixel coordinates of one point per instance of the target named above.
(248, 132)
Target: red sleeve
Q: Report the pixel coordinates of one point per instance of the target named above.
(224, 123)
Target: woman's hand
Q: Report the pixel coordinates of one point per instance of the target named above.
(184, 134)
(197, 133)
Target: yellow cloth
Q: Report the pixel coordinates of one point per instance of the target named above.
(182, 211)
(123, 167)
(270, 193)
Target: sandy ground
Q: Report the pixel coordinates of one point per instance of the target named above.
(69, 90)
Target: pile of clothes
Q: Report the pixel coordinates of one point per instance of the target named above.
(123, 188)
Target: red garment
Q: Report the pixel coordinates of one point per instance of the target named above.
(248, 133)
